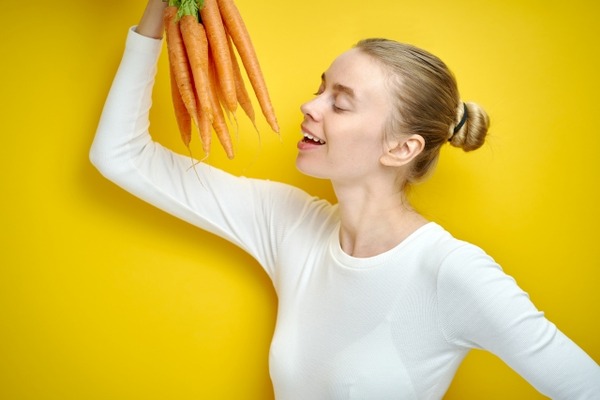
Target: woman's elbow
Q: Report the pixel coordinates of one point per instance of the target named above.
(102, 161)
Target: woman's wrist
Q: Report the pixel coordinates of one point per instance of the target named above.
(151, 23)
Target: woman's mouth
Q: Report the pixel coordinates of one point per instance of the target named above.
(308, 138)
(309, 142)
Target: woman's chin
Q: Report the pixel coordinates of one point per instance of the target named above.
(303, 166)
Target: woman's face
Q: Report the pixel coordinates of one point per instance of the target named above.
(343, 125)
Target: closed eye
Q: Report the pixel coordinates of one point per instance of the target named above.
(335, 108)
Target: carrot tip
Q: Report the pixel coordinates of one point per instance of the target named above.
(275, 127)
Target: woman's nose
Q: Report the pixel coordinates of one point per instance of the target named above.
(310, 109)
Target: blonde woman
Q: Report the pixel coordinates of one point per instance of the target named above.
(375, 301)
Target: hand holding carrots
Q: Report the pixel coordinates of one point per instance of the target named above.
(205, 75)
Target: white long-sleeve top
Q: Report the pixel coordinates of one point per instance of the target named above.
(393, 326)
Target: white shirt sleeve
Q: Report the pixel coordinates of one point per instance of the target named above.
(238, 209)
(482, 307)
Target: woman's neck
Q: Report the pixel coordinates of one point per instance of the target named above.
(374, 221)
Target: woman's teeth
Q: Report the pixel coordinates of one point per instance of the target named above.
(313, 139)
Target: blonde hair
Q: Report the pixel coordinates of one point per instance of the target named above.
(427, 102)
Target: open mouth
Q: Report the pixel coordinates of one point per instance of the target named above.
(311, 139)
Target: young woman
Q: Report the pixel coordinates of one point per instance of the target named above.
(375, 302)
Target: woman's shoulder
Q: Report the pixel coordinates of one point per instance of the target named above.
(286, 202)
(442, 253)
(464, 267)
(434, 239)
(286, 195)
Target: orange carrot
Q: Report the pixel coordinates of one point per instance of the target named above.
(205, 133)
(184, 121)
(205, 118)
(196, 47)
(240, 88)
(178, 61)
(241, 38)
(219, 124)
(217, 39)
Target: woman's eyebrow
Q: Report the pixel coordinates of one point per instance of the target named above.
(338, 87)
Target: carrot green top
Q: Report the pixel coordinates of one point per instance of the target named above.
(186, 7)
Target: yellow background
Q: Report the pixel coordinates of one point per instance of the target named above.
(104, 297)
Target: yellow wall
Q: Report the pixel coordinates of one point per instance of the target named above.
(104, 297)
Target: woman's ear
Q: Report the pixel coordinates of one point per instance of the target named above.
(403, 151)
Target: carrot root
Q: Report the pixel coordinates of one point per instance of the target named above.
(217, 38)
(206, 79)
(182, 116)
(236, 27)
(219, 124)
(178, 61)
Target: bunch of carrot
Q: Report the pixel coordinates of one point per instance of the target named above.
(206, 78)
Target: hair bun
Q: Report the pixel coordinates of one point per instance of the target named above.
(471, 135)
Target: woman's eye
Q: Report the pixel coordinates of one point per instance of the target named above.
(337, 109)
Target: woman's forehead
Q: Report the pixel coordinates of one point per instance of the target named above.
(356, 70)
(352, 59)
